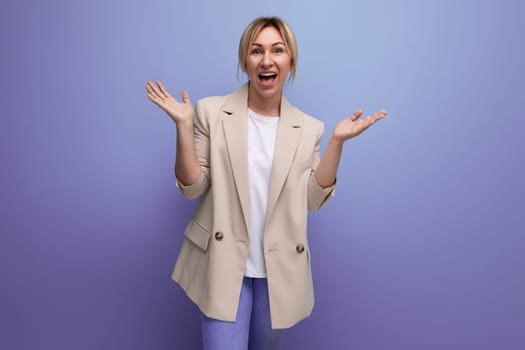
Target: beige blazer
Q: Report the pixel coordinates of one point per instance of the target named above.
(212, 261)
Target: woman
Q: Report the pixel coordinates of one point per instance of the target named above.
(253, 159)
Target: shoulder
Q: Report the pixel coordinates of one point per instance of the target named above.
(211, 102)
(312, 120)
(235, 100)
(308, 120)
(208, 108)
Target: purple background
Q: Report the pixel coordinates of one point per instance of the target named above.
(421, 248)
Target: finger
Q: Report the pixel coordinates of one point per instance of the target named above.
(356, 114)
(366, 122)
(155, 99)
(152, 89)
(150, 97)
(163, 90)
(371, 119)
(380, 114)
(151, 94)
(186, 97)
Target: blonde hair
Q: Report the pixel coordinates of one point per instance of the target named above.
(252, 31)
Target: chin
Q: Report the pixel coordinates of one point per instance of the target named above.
(267, 92)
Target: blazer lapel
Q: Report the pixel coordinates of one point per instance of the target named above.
(235, 125)
(286, 141)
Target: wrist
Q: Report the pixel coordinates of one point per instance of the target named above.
(336, 141)
(185, 124)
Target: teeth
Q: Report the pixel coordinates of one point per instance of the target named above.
(268, 74)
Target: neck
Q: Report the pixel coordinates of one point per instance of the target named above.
(269, 106)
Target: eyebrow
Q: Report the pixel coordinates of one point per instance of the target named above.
(274, 44)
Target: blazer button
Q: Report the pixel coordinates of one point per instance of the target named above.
(299, 248)
(219, 236)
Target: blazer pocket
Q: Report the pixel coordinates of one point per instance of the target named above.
(198, 234)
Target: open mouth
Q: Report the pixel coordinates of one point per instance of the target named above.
(267, 78)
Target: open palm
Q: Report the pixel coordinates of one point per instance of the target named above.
(180, 112)
(353, 126)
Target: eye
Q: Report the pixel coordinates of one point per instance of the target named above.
(256, 51)
(279, 50)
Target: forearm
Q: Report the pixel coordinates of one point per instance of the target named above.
(326, 171)
(187, 168)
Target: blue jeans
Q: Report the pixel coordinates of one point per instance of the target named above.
(252, 329)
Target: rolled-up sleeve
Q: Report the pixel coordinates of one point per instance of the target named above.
(202, 149)
(195, 189)
(317, 195)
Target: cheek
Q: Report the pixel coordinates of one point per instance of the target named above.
(285, 64)
(250, 67)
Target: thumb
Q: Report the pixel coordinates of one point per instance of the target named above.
(356, 114)
(185, 97)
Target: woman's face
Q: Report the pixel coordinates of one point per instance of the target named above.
(268, 63)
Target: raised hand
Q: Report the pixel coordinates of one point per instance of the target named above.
(180, 112)
(351, 126)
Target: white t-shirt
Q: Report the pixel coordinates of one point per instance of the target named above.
(261, 144)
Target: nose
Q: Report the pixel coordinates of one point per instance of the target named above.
(266, 60)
